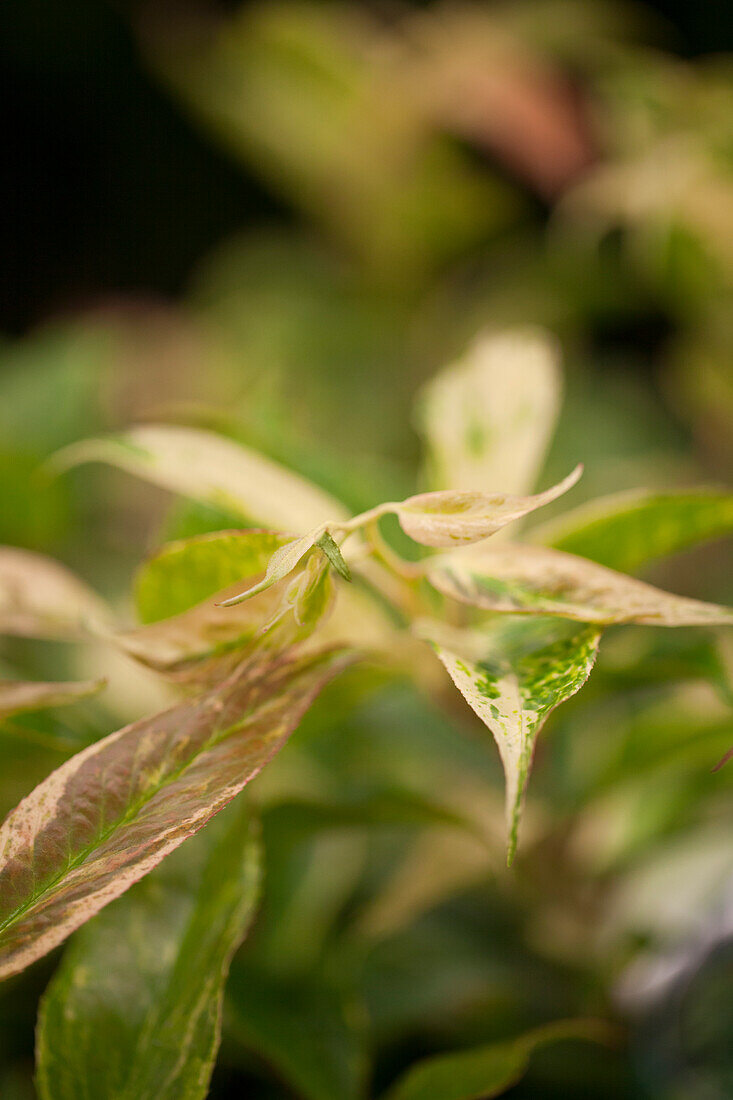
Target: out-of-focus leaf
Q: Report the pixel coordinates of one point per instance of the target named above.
(626, 530)
(302, 1029)
(513, 674)
(41, 599)
(112, 812)
(188, 571)
(191, 645)
(134, 1011)
(213, 470)
(656, 656)
(458, 518)
(538, 581)
(487, 419)
(20, 695)
(483, 1072)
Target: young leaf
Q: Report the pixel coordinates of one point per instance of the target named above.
(134, 1011)
(513, 674)
(332, 551)
(538, 581)
(187, 572)
(20, 695)
(487, 419)
(275, 618)
(112, 812)
(214, 470)
(626, 530)
(41, 599)
(454, 518)
(284, 560)
(483, 1072)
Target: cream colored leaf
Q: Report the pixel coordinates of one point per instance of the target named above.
(212, 469)
(20, 695)
(488, 419)
(39, 598)
(539, 581)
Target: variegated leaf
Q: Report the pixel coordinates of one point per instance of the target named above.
(112, 812)
(212, 469)
(458, 518)
(20, 695)
(282, 562)
(39, 598)
(480, 1073)
(513, 673)
(626, 530)
(487, 419)
(134, 1011)
(538, 581)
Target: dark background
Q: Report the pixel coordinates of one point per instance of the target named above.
(106, 187)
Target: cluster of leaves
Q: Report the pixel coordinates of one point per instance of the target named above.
(249, 625)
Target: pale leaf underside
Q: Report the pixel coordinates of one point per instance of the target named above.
(41, 599)
(21, 695)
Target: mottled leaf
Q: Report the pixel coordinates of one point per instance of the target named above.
(20, 695)
(539, 581)
(112, 812)
(513, 673)
(134, 1011)
(39, 598)
(487, 419)
(213, 470)
(626, 530)
(482, 1072)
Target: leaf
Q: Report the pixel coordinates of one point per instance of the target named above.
(112, 812)
(283, 561)
(188, 571)
(134, 1011)
(41, 599)
(275, 618)
(211, 469)
(20, 695)
(626, 530)
(539, 581)
(486, 1071)
(331, 549)
(513, 674)
(453, 518)
(487, 419)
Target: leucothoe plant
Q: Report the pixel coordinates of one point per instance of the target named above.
(248, 624)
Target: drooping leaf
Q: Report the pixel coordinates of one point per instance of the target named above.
(276, 617)
(458, 518)
(212, 469)
(626, 530)
(188, 571)
(482, 1072)
(539, 581)
(302, 1029)
(20, 695)
(487, 419)
(111, 813)
(134, 1011)
(513, 674)
(39, 598)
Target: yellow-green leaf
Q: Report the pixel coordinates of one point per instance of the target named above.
(487, 419)
(539, 581)
(112, 812)
(513, 673)
(134, 1011)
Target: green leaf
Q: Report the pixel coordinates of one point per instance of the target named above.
(539, 581)
(189, 571)
(513, 674)
(112, 812)
(192, 643)
(41, 599)
(627, 530)
(20, 695)
(334, 555)
(487, 419)
(483, 1072)
(214, 470)
(134, 1011)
